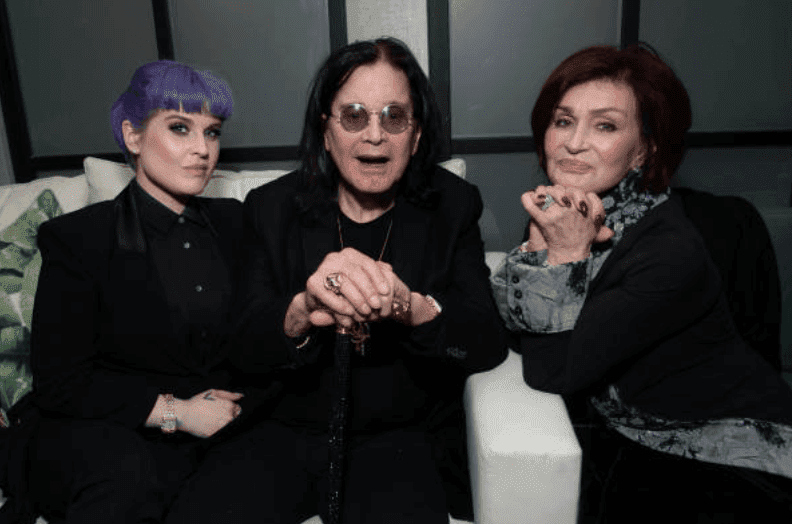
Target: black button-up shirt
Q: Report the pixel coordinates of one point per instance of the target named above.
(194, 276)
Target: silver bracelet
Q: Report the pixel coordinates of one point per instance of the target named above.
(304, 342)
(434, 303)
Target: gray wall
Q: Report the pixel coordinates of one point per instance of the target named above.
(268, 51)
(501, 53)
(74, 58)
(734, 57)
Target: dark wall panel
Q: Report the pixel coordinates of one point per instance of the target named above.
(74, 58)
(267, 51)
(502, 52)
(734, 57)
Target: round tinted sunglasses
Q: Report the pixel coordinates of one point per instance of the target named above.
(354, 118)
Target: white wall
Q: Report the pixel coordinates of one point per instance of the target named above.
(403, 19)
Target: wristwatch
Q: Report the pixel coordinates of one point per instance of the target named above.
(169, 417)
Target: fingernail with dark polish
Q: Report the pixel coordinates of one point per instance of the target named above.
(584, 209)
(599, 220)
(566, 201)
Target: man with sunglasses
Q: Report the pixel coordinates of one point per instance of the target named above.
(370, 238)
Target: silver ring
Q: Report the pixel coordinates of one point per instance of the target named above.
(333, 283)
(549, 201)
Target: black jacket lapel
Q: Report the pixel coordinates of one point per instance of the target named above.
(135, 284)
(319, 239)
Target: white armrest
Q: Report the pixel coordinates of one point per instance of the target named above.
(524, 457)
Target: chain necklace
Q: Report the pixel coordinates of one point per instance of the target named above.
(360, 331)
(384, 244)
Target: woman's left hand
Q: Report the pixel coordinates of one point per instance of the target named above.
(569, 226)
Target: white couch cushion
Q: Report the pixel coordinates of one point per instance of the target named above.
(456, 166)
(524, 456)
(237, 185)
(106, 179)
(71, 192)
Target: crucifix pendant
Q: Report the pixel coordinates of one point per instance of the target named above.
(360, 332)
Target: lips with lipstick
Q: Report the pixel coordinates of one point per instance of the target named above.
(569, 165)
(197, 168)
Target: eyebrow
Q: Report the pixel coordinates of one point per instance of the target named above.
(596, 111)
(184, 117)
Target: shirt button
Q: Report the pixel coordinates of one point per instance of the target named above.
(515, 279)
(186, 245)
(181, 220)
(199, 288)
(517, 294)
(518, 310)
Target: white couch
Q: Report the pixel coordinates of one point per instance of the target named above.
(524, 457)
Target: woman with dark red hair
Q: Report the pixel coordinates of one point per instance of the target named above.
(616, 301)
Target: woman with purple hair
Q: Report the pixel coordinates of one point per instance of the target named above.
(131, 315)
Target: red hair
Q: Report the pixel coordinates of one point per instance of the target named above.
(663, 103)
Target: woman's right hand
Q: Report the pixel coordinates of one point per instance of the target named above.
(208, 412)
(569, 226)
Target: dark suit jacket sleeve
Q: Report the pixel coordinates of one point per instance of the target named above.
(65, 332)
(469, 331)
(658, 286)
(260, 343)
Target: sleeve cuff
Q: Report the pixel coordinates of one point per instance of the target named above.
(535, 297)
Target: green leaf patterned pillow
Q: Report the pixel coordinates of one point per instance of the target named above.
(20, 263)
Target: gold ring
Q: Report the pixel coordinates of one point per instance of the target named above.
(400, 311)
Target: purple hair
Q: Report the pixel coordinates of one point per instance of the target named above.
(166, 84)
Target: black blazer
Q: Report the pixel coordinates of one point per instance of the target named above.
(438, 251)
(104, 342)
(656, 324)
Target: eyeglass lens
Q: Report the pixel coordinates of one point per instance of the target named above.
(393, 119)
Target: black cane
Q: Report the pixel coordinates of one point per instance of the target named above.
(337, 424)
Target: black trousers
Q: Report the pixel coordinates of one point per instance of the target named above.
(281, 478)
(84, 471)
(625, 482)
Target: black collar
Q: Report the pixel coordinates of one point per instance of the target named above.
(161, 218)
